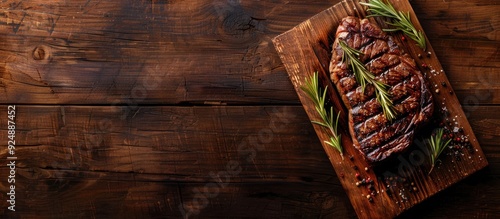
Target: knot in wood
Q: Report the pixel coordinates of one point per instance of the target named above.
(40, 53)
(238, 23)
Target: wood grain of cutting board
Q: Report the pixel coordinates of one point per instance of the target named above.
(405, 181)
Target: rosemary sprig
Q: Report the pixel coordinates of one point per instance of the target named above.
(401, 20)
(318, 96)
(436, 145)
(363, 77)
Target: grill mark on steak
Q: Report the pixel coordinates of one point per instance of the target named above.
(368, 109)
(378, 121)
(376, 139)
(373, 135)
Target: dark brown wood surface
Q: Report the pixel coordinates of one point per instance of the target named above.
(130, 109)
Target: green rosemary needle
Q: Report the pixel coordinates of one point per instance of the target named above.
(401, 20)
(436, 146)
(363, 77)
(318, 96)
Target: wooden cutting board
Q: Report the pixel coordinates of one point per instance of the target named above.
(405, 181)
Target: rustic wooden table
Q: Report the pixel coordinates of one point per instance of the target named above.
(159, 109)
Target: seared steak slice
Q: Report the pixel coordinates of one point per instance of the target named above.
(373, 135)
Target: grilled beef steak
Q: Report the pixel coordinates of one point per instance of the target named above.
(373, 135)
